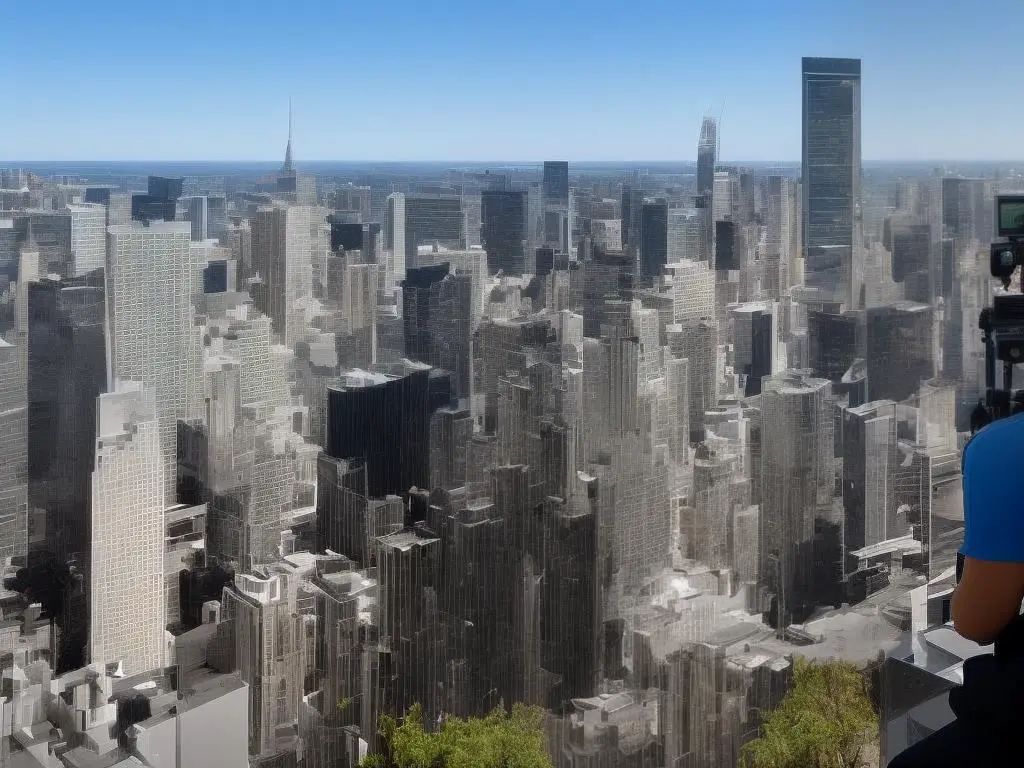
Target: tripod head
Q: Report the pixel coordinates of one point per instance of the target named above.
(1002, 324)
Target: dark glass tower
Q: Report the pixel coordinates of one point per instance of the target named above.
(503, 230)
(385, 422)
(632, 204)
(653, 239)
(66, 373)
(831, 173)
(556, 182)
(707, 149)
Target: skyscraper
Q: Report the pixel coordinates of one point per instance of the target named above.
(687, 234)
(653, 239)
(556, 182)
(797, 483)
(384, 420)
(831, 174)
(755, 343)
(88, 237)
(631, 206)
(13, 455)
(127, 574)
(66, 374)
(504, 231)
(899, 348)
(870, 456)
(436, 314)
(555, 200)
(707, 150)
(422, 219)
(208, 216)
(282, 254)
(151, 276)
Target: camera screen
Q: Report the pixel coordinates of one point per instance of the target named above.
(1011, 216)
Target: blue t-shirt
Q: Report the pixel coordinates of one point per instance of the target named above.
(993, 469)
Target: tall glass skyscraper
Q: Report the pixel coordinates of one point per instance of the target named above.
(707, 149)
(831, 174)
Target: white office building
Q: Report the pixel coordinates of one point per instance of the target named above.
(693, 291)
(152, 273)
(687, 234)
(88, 237)
(127, 574)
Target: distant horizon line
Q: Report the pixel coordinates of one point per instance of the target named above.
(16, 164)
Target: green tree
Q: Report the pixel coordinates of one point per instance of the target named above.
(826, 720)
(502, 739)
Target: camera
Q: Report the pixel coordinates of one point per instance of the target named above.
(1003, 323)
(1008, 254)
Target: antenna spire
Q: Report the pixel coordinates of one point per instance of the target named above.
(287, 167)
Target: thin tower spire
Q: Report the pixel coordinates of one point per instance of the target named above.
(287, 167)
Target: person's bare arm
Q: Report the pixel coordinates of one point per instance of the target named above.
(987, 598)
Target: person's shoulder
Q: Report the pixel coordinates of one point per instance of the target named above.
(997, 435)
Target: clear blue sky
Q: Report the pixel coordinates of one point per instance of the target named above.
(506, 79)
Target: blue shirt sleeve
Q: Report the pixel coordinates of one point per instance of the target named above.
(993, 477)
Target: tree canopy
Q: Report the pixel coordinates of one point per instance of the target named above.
(826, 720)
(502, 739)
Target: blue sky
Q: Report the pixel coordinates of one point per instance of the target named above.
(508, 79)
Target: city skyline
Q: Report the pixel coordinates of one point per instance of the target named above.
(291, 448)
(584, 82)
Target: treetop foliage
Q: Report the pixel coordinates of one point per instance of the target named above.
(826, 720)
(501, 739)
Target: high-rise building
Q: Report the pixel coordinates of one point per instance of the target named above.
(51, 236)
(282, 255)
(727, 246)
(725, 199)
(385, 420)
(687, 234)
(419, 219)
(13, 456)
(270, 654)
(776, 267)
(555, 198)
(831, 175)
(697, 343)
(755, 343)
(870, 458)
(152, 274)
(909, 243)
(900, 354)
(833, 342)
(208, 216)
(127, 564)
(966, 211)
(67, 372)
(797, 482)
(152, 208)
(504, 232)
(348, 197)
(164, 187)
(707, 531)
(436, 312)
(556, 183)
(653, 239)
(693, 291)
(707, 151)
(88, 238)
(631, 207)
(408, 572)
